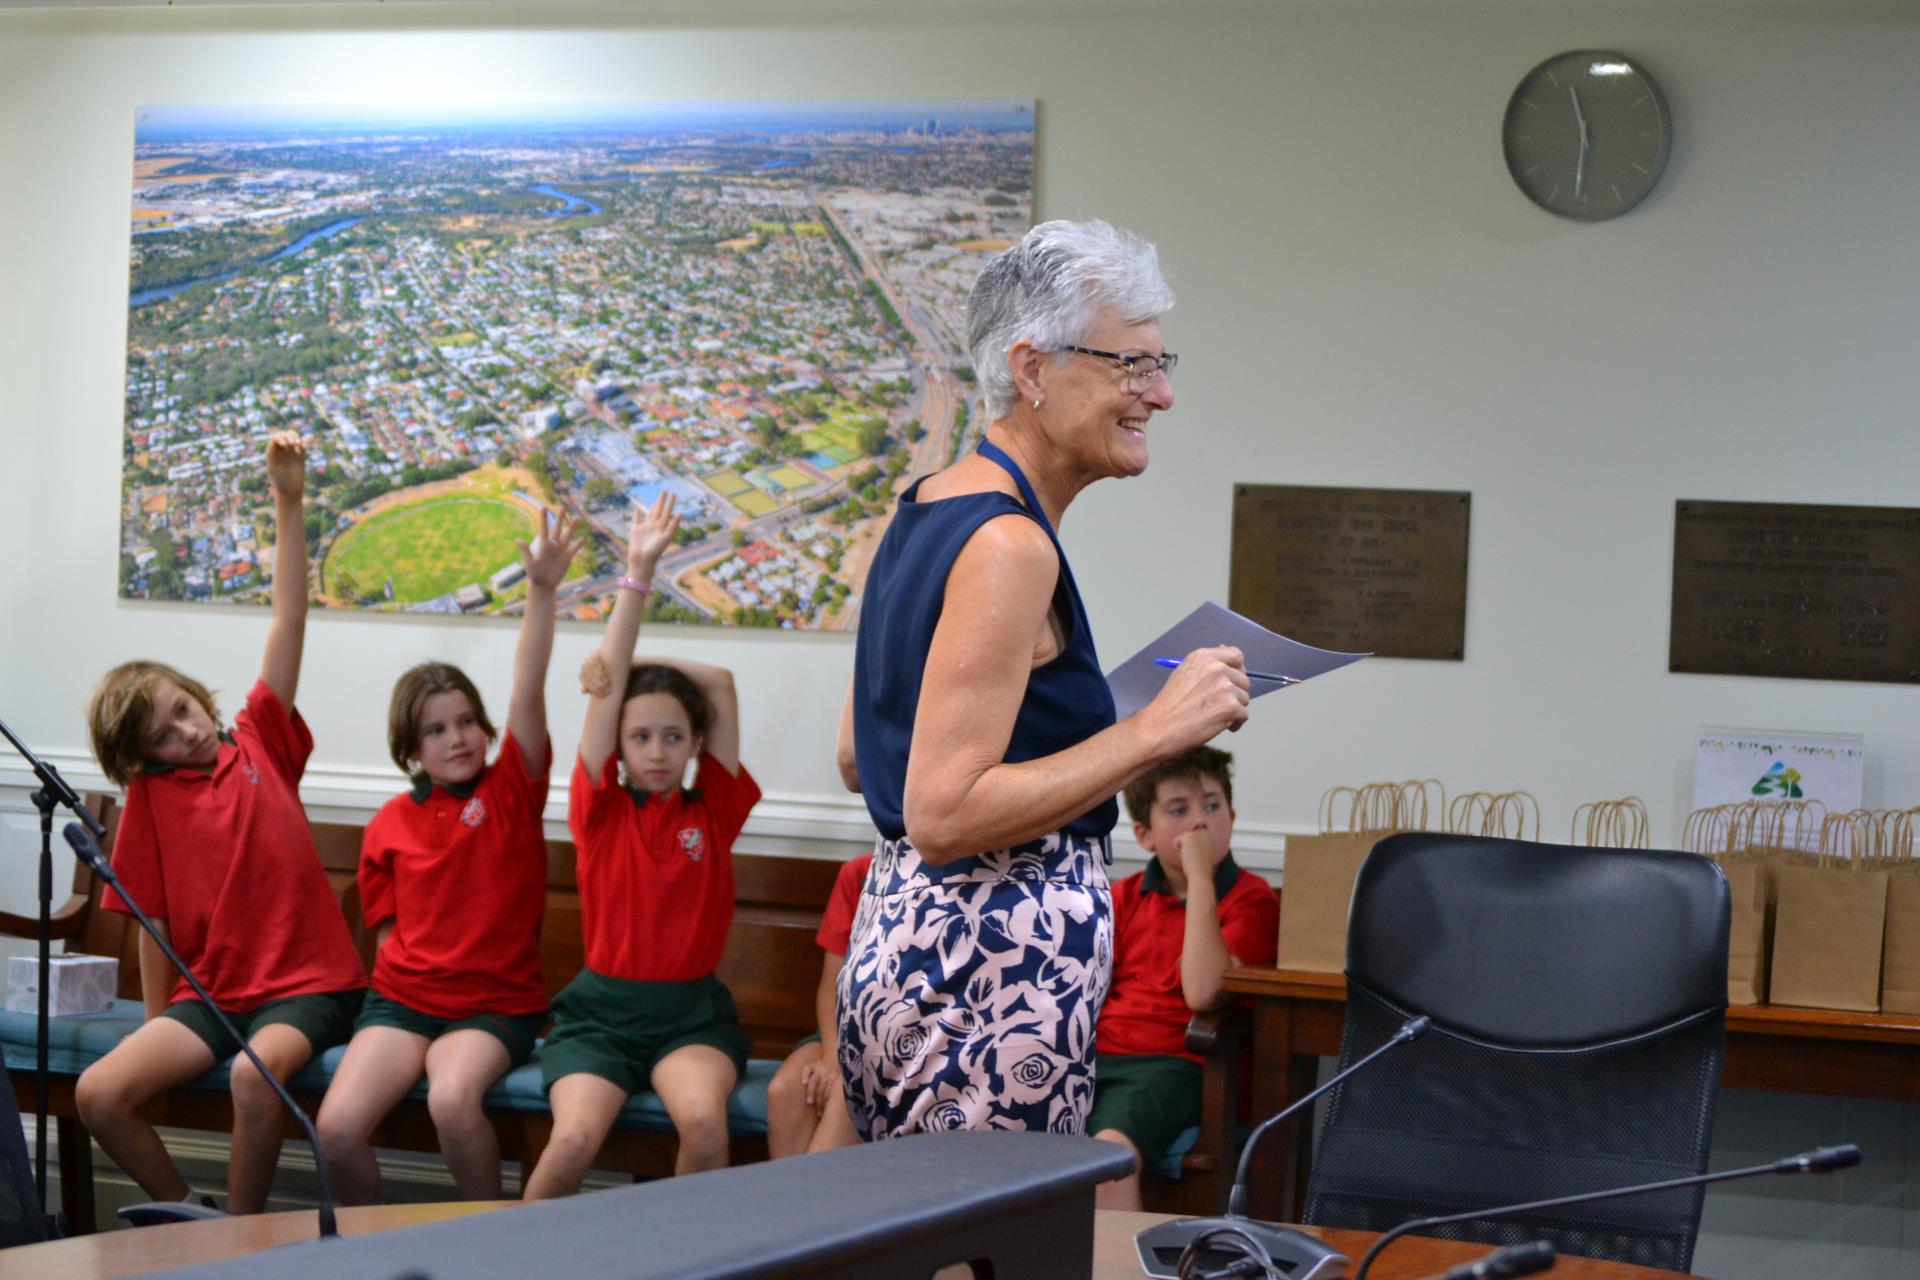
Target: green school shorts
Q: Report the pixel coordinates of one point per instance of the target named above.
(325, 1019)
(517, 1032)
(619, 1030)
(1153, 1098)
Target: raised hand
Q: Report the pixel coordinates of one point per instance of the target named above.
(1205, 694)
(547, 559)
(651, 534)
(287, 464)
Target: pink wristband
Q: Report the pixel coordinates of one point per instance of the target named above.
(634, 584)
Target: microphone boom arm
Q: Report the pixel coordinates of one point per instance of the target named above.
(1820, 1160)
(89, 853)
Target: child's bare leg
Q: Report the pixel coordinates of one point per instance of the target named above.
(584, 1106)
(694, 1082)
(836, 1122)
(161, 1054)
(461, 1066)
(791, 1120)
(258, 1114)
(382, 1063)
(1121, 1193)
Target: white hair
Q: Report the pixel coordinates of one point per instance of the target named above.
(1049, 289)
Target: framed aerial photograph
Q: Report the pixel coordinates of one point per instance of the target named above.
(471, 313)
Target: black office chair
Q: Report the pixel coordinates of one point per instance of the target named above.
(1578, 999)
(21, 1221)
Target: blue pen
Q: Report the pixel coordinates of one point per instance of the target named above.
(1283, 681)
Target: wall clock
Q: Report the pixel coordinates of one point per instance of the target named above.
(1587, 134)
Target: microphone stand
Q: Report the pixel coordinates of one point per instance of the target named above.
(89, 852)
(1820, 1160)
(53, 790)
(1303, 1257)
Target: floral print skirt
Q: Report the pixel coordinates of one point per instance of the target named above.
(970, 990)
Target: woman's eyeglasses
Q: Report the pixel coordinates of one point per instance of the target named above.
(1140, 370)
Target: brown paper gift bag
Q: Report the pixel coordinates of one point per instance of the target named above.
(1499, 814)
(1751, 841)
(1320, 869)
(1611, 824)
(1830, 925)
(1900, 966)
(1750, 888)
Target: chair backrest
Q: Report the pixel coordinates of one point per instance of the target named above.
(1578, 999)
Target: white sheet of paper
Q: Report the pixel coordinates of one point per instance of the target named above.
(1138, 679)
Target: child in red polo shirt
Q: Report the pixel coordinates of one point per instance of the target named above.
(1178, 927)
(453, 876)
(655, 867)
(806, 1109)
(214, 845)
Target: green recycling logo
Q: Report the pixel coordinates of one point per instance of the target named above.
(1780, 781)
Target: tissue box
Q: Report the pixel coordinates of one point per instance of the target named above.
(76, 984)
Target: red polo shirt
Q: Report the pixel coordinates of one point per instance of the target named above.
(836, 924)
(225, 858)
(1145, 1010)
(462, 873)
(656, 876)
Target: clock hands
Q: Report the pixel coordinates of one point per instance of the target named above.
(1580, 162)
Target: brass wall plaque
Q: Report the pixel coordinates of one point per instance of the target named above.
(1379, 571)
(1790, 589)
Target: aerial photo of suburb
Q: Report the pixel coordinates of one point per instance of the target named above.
(473, 312)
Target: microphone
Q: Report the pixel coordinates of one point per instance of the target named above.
(1514, 1260)
(87, 849)
(1304, 1258)
(1819, 1160)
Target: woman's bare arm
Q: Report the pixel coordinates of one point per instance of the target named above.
(962, 797)
(843, 751)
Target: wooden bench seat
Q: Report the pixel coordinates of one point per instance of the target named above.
(771, 964)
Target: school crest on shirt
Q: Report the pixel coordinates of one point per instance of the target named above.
(474, 813)
(692, 843)
(249, 772)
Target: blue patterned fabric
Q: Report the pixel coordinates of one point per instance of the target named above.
(970, 990)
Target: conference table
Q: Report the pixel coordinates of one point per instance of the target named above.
(150, 1249)
(1298, 1018)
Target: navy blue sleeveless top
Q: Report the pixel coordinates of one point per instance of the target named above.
(1067, 699)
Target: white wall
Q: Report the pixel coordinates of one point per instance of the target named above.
(1365, 300)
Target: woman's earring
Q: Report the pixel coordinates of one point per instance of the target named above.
(1036, 402)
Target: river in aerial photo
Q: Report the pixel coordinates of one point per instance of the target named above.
(141, 297)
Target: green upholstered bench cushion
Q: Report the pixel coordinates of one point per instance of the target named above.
(77, 1041)
(74, 1042)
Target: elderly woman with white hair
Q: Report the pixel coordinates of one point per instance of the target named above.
(979, 725)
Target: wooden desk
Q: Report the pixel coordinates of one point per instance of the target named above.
(1298, 1017)
(129, 1252)
(132, 1253)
